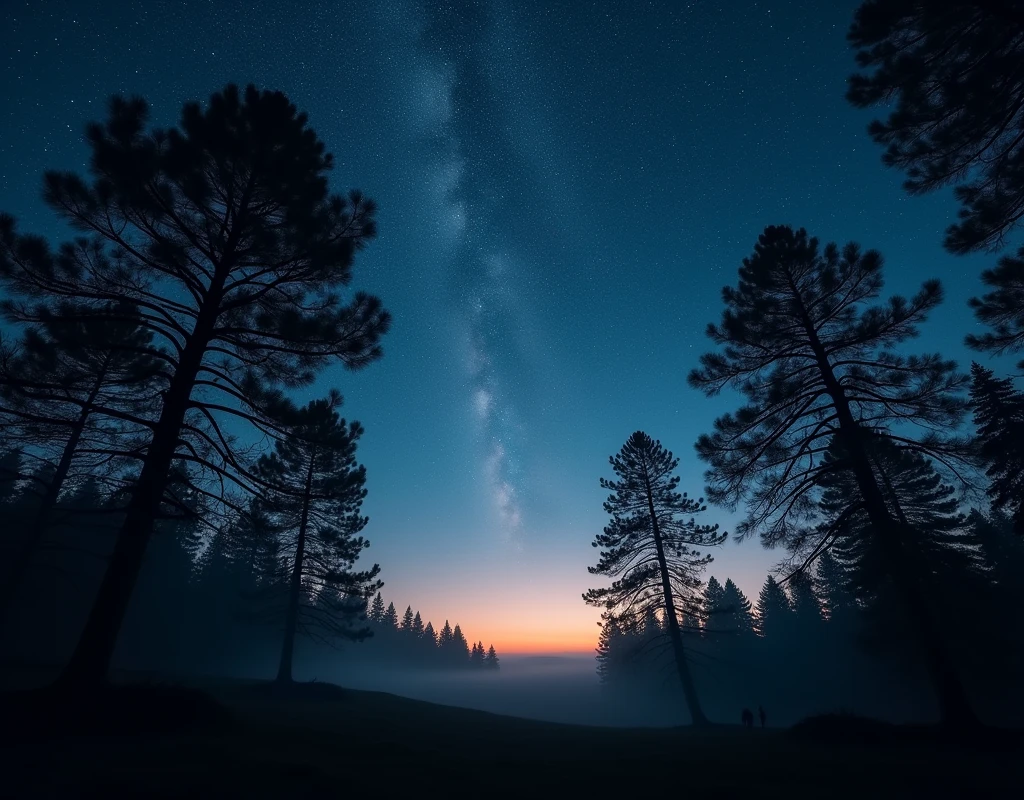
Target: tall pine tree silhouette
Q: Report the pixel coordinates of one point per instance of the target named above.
(649, 549)
(223, 233)
(816, 362)
(316, 491)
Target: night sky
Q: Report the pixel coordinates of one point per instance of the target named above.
(564, 188)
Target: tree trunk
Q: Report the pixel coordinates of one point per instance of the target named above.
(954, 707)
(284, 669)
(697, 715)
(90, 662)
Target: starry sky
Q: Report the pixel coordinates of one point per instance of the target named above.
(564, 188)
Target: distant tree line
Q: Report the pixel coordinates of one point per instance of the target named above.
(205, 603)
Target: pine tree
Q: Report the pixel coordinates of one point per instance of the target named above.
(70, 370)
(491, 661)
(999, 418)
(736, 617)
(407, 620)
(459, 647)
(950, 66)
(806, 605)
(817, 363)
(947, 564)
(833, 587)
(714, 604)
(476, 656)
(444, 638)
(774, 612)
(429, 636)
(376, 615)
(648, 548)
(417, 625)
(316, 494)
(391, 618)
(222, 230)
(1001, 309)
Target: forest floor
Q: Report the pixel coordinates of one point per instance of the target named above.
(321, 741)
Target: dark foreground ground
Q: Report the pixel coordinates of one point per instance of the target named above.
(245, 740)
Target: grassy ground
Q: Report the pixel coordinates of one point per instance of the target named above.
(321, 741)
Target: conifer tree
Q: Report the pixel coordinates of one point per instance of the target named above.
(774, 612)
(417, 626)
(736, 617)
(713, 603)
(491, 661)
(947, 565)
(649, 548)
(70, 369)
(1002, 308)
(459, 647)
(222, 232)
(476, 656)
(816, 362)
(951, 67)
(806, 606)
(391, 617)
(445, 637)
(407, 620)
(429, 636)
(316, 494)
(376, 613)
(999, 419)
(833, 587)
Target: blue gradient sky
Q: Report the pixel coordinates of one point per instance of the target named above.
(564, 189)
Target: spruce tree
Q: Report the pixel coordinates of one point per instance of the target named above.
(833, 588)
(417, 626)
(459, 647)
(952, 68)
(223, 233)
(390, 618)
(429, 636)
(491, 660)
(376, 613)
(736, 617)
(406, 624)
(649, 548)
(999, 419)
(316, 490)
(774, 612)
(816, 362)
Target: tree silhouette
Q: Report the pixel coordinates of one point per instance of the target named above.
(648, 548)
(952, 67)
(1002, 309)
(774, 611)
(417, 626)
(946, 565)
(999, 418)
(316, 497)
(491, 660)
(815, 363)
(223, 234)
(376, 613)
(429, 636)
(69, 369)
(407, 621)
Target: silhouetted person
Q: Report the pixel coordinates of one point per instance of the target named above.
(748, 718)
(761, 714)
